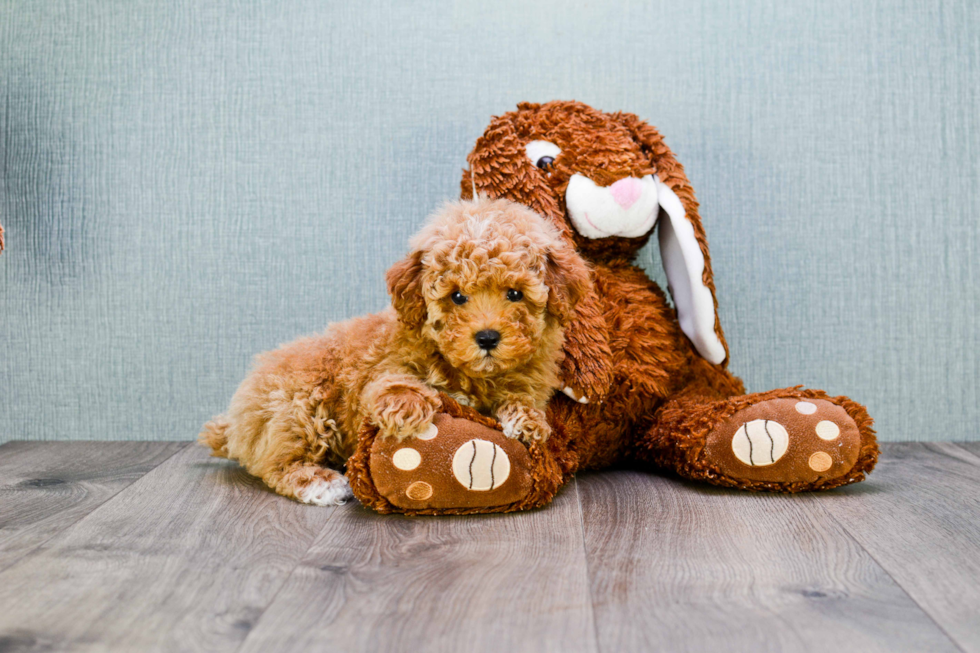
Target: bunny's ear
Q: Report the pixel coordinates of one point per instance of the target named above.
(686, 268)
(683, 245)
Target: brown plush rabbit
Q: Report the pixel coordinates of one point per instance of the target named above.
(643, 380)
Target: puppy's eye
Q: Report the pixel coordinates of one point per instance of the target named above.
(542, 154)
(458, 298)
(515, 295)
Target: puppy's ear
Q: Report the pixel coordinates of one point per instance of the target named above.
(569, 280)
(405, 287)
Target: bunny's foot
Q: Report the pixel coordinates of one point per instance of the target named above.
(788, 440)
(461, 464)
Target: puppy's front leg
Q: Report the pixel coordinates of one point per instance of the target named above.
(523, 421)
(400, 405)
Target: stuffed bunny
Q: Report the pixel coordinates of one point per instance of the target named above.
(643, 380)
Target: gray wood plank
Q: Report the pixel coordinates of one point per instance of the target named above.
(679, 566)
(919, 516)
(184, 559)
(45, 487)
(971, 447)
(480, 583)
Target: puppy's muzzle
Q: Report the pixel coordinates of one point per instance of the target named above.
(487, 339)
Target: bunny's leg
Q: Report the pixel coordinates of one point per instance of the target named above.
(787, 440)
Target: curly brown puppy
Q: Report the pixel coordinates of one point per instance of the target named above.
(478, 312)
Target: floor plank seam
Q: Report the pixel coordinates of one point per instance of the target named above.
(299, 562)
(588, 571)
(888, 573)
(959, 445)
(109, 498)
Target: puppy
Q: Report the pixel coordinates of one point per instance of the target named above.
(478, 310)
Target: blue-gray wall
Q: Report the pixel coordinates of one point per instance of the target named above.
(187, 183)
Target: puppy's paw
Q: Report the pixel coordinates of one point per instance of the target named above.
(523, 423)
(315, 485)
(404, 414)
(321, 492)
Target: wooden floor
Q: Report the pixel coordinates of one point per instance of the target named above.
(155, 546)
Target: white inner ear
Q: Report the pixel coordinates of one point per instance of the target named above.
(684, 265)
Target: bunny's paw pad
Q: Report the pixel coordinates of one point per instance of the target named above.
(455, 463)
(785, 440)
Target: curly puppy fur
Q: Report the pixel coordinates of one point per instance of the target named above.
(300, 409)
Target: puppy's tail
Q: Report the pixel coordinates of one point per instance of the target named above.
(214, 435)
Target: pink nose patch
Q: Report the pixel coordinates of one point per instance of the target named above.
(626, 191)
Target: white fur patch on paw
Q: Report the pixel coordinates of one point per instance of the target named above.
(326, 493)
(511, 427)
(462, 399)
(480, 465)
(760, 442)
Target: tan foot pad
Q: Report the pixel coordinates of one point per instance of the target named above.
(785, 441)
(455, 464)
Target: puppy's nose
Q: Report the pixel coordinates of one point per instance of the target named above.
(626, 191)
(488, 339)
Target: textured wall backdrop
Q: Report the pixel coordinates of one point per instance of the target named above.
(187, 183)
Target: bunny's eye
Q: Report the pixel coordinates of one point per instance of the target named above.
(542, 153)
(458, 298)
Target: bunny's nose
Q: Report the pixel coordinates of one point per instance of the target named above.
(488, 339)
(626, 191)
